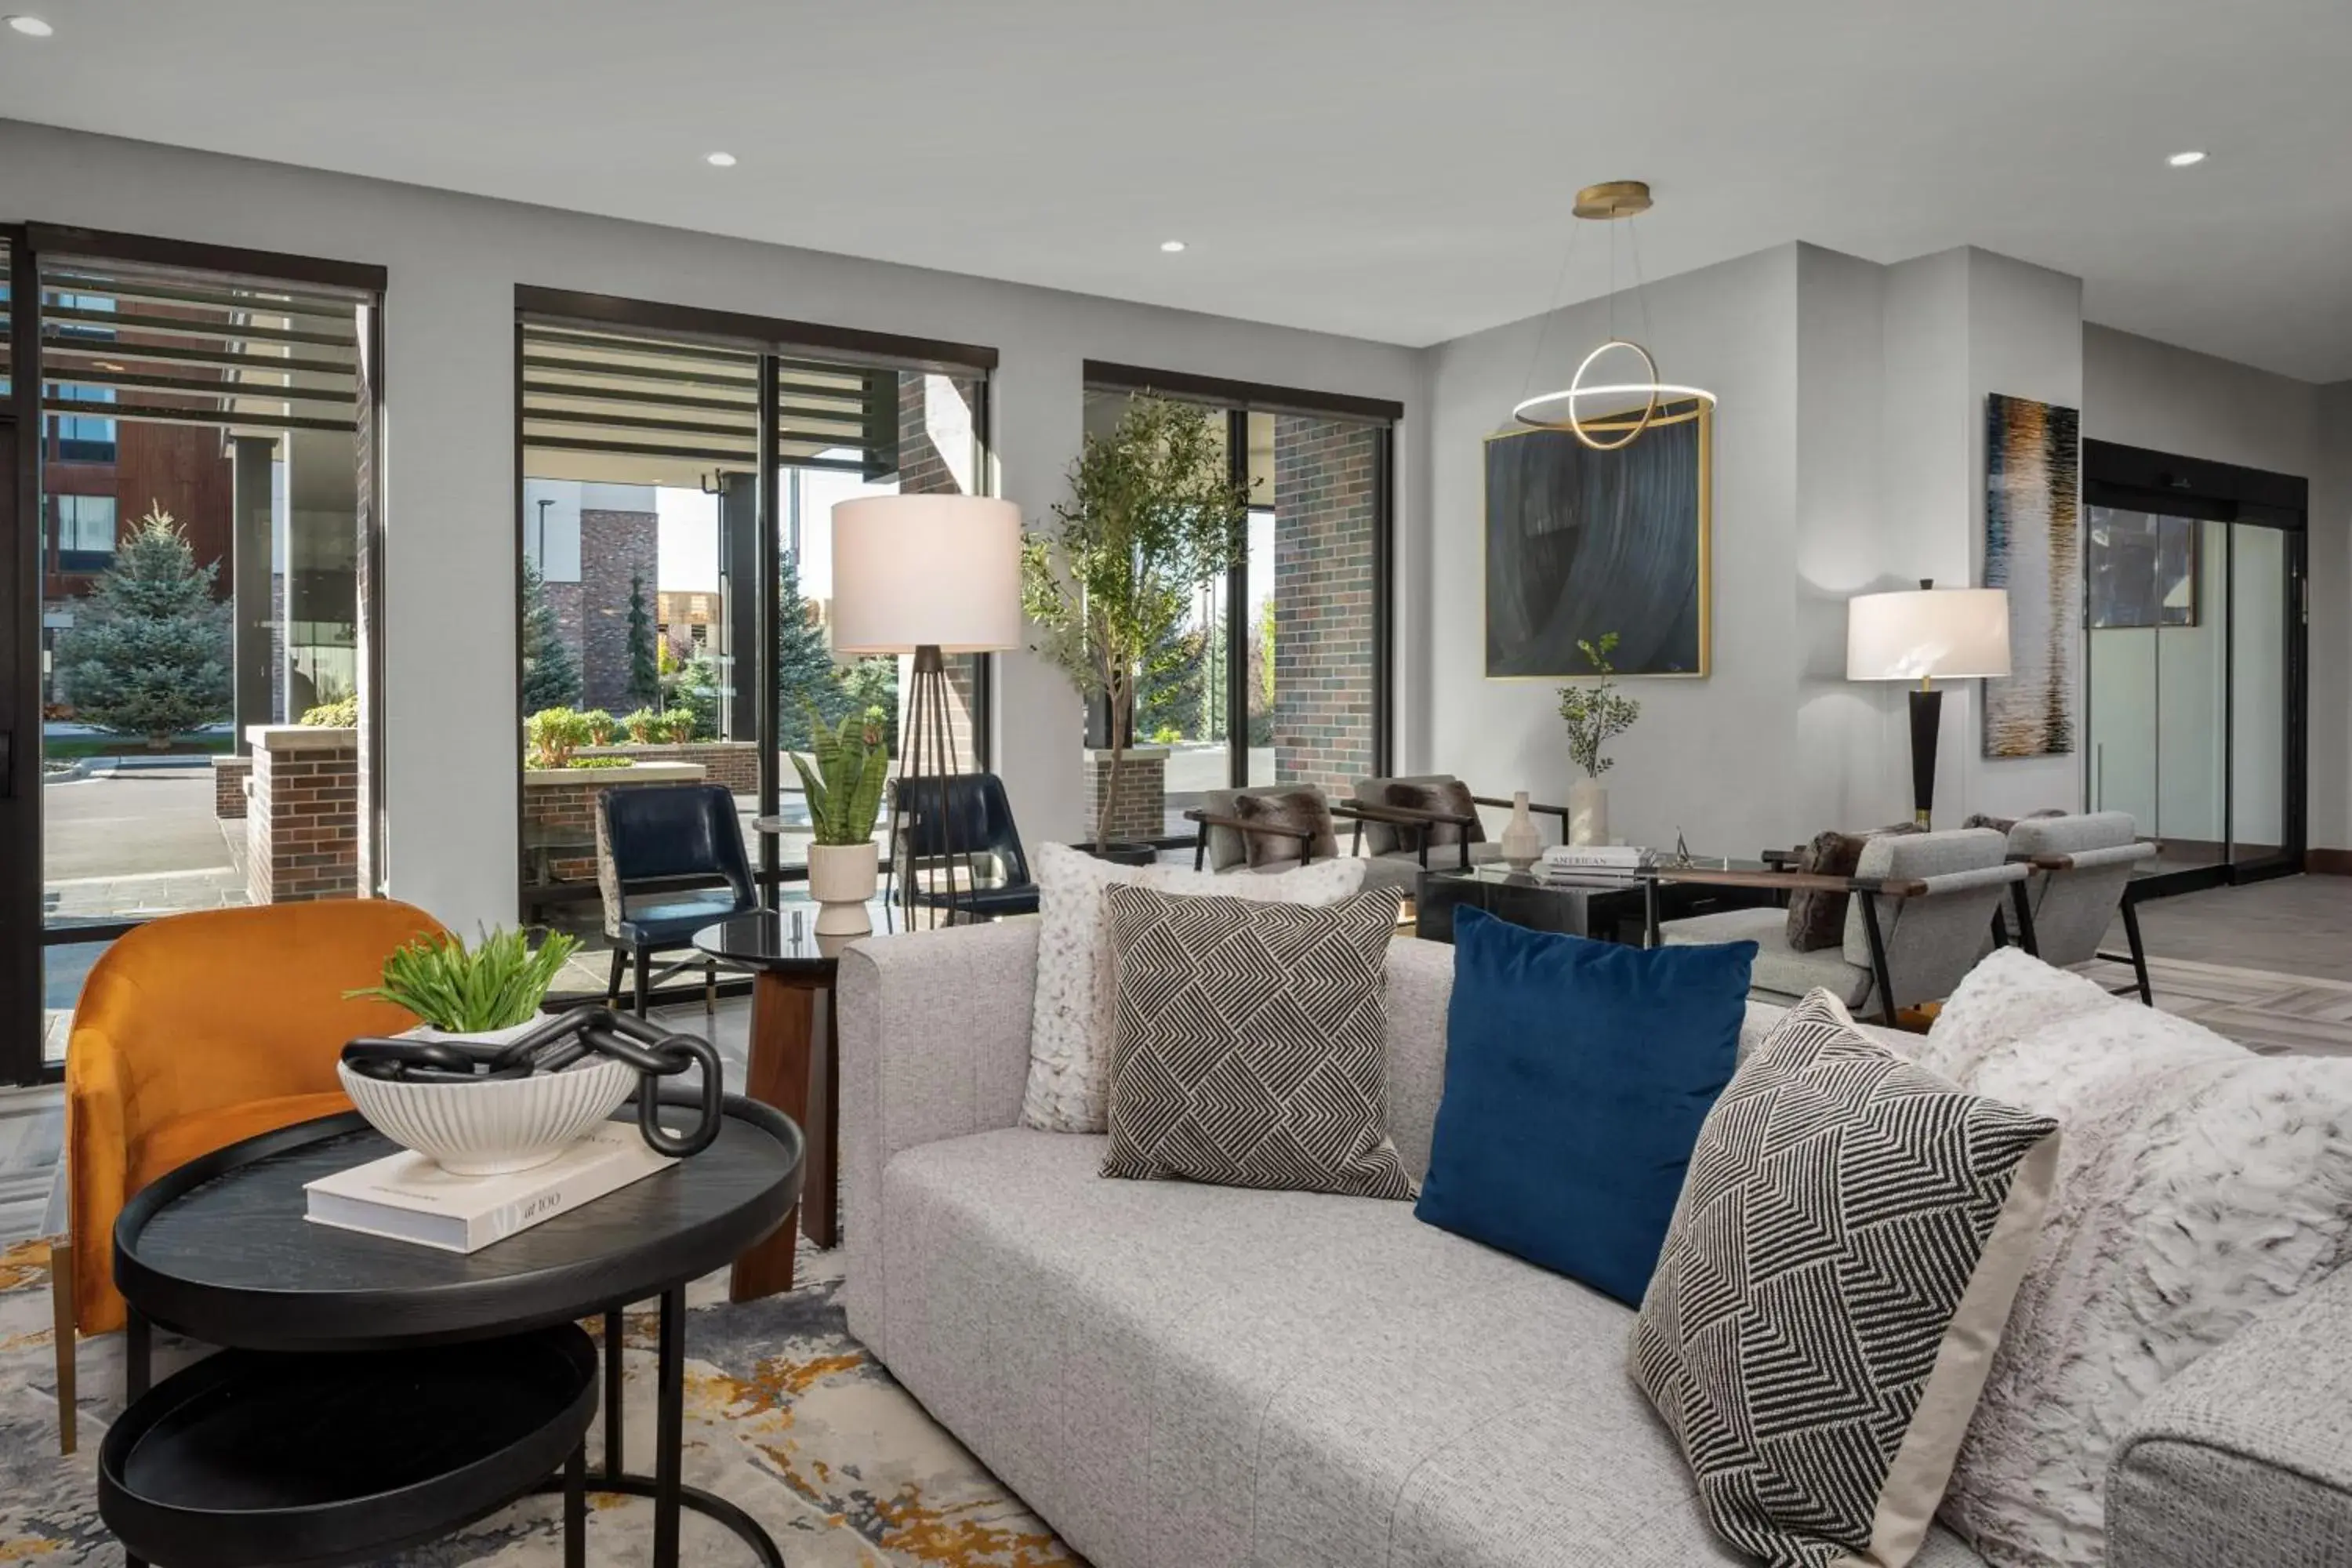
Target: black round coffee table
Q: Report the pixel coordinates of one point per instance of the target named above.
(220, 1251)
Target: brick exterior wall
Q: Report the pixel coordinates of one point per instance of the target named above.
(302, 830)
(229, 776)
(569, 804)
(1142, 795)
(924, 471)
(563, 598)
(1326, 514)
(735, 764)
(615, 547)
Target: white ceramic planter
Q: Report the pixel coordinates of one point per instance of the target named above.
(1588, 812)
(497, 1126)
(842, 878)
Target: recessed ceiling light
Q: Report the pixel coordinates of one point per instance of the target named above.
(1172, 245)
(721, 160)
(31, 27)
(2183, 160)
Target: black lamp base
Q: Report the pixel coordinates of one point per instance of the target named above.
(1926, 722)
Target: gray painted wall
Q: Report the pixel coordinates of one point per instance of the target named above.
(450, 558)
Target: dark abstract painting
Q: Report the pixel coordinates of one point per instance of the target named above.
(1580, 543)
(2141, 569)
(2033, 549)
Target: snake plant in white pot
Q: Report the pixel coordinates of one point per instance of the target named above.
(844, 787)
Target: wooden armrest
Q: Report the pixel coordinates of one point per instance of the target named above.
(1796, 881)
(1537, 806)
(1403, 816)
(1210, 819)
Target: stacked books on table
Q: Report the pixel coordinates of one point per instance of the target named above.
(407, 1198)
(1595, 862)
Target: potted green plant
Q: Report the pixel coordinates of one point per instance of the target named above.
(1154, 516)
(483, 997)
(844, 788)
(1594, 715)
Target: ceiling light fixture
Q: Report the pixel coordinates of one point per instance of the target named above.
(1632, 407)
(2183, 160)
(721, 160)
(1172, 245)
(31, 27)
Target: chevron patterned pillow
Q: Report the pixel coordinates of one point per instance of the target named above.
(1250, 1046)
(1848, 1241)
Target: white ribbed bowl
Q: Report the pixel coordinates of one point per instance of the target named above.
(497, 1126)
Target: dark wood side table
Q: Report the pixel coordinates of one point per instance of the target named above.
(1599, 907)
(795, 1066)
(220, 1251)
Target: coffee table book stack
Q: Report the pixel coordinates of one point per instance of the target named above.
(408, 1197)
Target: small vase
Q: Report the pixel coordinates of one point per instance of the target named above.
(1521, 845)
(1588, 812)
(841, 879)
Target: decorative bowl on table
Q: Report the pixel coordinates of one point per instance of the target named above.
(494, 1126)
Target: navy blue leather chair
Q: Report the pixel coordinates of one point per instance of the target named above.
(669, 861)
(978, 822)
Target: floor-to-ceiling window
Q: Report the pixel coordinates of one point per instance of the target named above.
(193, 441)
(2194, 583)
(1278, 673)
(678, 475)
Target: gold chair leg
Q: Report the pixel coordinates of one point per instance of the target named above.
(61, 1301)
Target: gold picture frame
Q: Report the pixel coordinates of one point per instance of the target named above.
(1701, 554)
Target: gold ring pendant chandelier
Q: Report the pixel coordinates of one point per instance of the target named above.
(1628, 408)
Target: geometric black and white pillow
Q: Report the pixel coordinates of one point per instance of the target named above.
(1849, 1236)
(1251, 1045)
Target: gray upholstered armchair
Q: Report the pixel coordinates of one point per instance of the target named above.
(1402, 828)
(1918, 907)
(2079, 877)
(1269, 828)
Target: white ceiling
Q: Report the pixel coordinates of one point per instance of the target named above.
(1391, 168)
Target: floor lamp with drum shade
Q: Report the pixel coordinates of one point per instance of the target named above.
(926, 575)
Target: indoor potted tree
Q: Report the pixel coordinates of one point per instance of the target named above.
(1594, 714)
(1154, 516)
(844, 787)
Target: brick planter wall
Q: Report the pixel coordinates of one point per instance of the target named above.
(1326, 505)
(301, 827)
(229, 775)
(735, 764)
(564, 800)
(1142, 793)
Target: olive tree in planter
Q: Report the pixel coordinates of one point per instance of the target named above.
(1154, 516)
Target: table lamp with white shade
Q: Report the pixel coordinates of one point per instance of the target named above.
(1959, 634)
(926, 575)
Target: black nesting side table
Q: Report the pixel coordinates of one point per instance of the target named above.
(219, 1251)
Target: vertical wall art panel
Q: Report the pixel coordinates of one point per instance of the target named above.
(2033, 549)
(1580, 543)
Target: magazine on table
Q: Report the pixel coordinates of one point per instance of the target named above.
(407, 1198)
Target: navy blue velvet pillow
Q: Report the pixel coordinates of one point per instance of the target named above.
(1577, 1074)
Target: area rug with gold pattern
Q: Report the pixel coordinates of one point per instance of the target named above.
(786, 1416)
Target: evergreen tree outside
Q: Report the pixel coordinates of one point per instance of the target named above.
(1171, 694)
(550, 676)
(148, 654)
(807, 675)
(644, 666)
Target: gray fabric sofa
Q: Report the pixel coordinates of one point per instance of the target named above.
(1182, 1376)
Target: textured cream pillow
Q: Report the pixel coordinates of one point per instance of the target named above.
(2198, 1184)
(1077, 1010)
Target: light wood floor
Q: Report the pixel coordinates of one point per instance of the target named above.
(2296, 925)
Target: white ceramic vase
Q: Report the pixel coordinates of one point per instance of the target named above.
(842, 878)
(1521, 845)
(1588, 812)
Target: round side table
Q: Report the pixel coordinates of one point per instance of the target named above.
(220, 1251)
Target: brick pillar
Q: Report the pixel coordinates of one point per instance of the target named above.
(1142, 793)
(615, 547)
(1326, 514)
(301, 825)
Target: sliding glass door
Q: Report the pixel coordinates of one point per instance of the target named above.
(2194, 611)
(187, 608)
(1277, 674)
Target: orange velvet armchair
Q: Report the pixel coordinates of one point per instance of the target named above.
(195, 1031)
